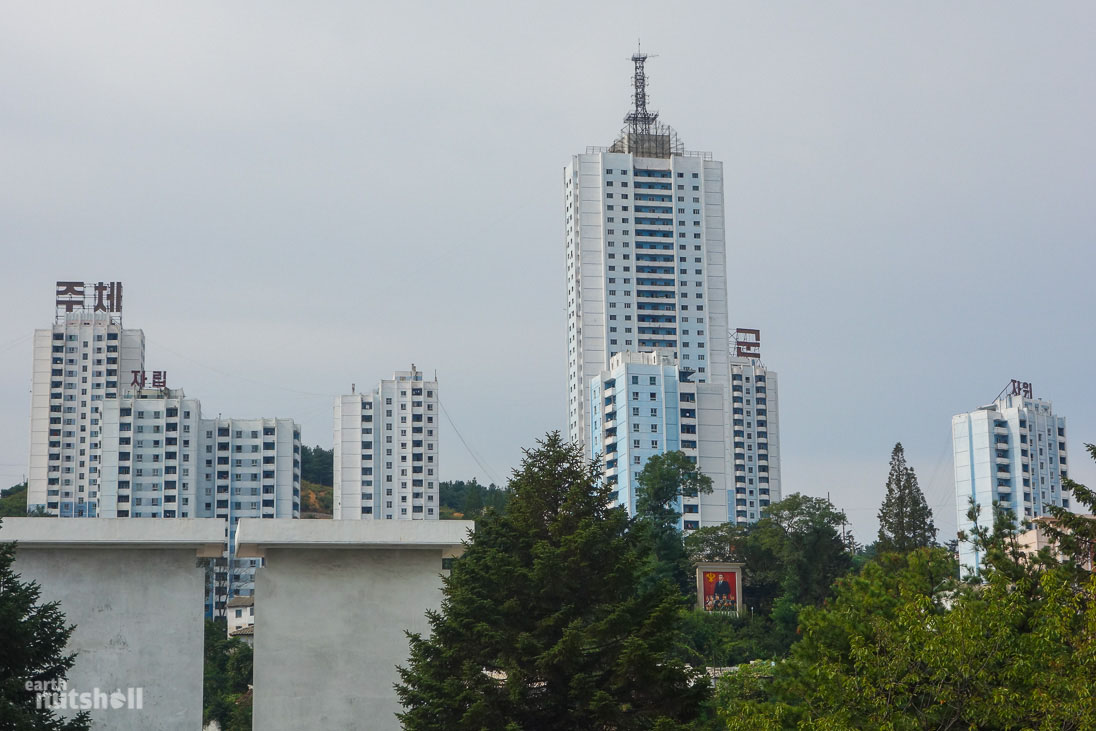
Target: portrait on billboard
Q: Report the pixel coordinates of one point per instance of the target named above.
(719, 586)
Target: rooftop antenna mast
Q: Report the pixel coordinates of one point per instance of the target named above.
(639, 120)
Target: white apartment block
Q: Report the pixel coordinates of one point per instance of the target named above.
(1011, 454)
(149, 448)
(386, 451)
(645, 252)
(645, 405)
(249, 468)
(109, 439)
(755, 424)
(81, 364)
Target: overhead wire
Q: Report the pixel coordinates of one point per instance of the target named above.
(17, 341)
(491, 475)
(242, 378)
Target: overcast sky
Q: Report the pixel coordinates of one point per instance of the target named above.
(301, 196)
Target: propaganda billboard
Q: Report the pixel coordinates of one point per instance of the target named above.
(719, 587)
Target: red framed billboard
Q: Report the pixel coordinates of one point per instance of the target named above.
(719, 587)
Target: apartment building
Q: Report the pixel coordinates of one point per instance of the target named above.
(1010, 454)
(386, 450)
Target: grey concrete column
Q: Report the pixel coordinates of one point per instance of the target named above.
(136, 594)
(332, 602)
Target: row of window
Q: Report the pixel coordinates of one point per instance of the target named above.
(649, 173)
(368, 510)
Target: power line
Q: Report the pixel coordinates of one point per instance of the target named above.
(939, 463)
(12, 343)
(243, 378)
(490, 473)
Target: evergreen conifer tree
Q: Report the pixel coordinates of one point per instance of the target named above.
(545, 622)
(32, 650)
(905, 520)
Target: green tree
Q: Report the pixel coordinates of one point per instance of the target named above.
(720, 639)
(800, 540)
(790, 558)
(228, 672)
(318, 465)
(904, 644)
(663, 482)
(905, 520)
(721, 542)
(13, 501)
(316, 500)
(1073, 533)
(473, 504)
(466, 500)
(544, 622)
(33, 636)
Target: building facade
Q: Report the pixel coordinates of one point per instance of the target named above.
(645, 254)
(755, 424)
(386, 451)
(240, 615)
(161, 459)
(149, 451)
(250, 468)
(110, 439)
(646, 272)
(81, 364)
(643, 405)
(1010, 454)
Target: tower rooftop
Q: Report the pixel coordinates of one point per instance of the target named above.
(643, 134)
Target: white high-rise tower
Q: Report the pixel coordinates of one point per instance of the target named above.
(1010, 454)
(386, 451)
(755, 424)
(81, 364)
(645, 256)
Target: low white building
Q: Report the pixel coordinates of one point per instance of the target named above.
(386, 451)
(240, 613)
(1036, 538)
